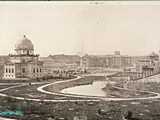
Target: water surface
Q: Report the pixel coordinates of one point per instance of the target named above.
(94, 89)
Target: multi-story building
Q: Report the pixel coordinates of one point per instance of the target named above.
(118, 61)
(107, 61)
(24, 64)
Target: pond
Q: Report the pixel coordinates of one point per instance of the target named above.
(94, 89)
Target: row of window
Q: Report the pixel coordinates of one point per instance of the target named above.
(37, 70)
(9, 70)
(34, 70)
(9, 76)
(25, 52)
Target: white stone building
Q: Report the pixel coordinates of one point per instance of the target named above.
(24, 64)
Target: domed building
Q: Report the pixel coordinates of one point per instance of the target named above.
(24, 64)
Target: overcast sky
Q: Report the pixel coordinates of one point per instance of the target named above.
(81, 28)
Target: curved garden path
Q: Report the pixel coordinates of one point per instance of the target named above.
(88, 98)
(41, 89)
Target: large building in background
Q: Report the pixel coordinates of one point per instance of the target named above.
(119, 61)
(24, 64)
(116, 60)
(123, 62)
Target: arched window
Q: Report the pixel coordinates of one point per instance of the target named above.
(12, 70)
(9, 70)
(6, 70)
(34, 70)
(40, 70)
(37, 70)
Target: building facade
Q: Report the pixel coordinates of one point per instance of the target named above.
(24, 64)
(118, 61)
(107, 61)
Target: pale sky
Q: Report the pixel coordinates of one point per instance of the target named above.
(80, 28)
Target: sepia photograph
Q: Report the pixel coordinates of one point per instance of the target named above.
(92, 60)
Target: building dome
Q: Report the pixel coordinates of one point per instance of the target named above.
(24, 44)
